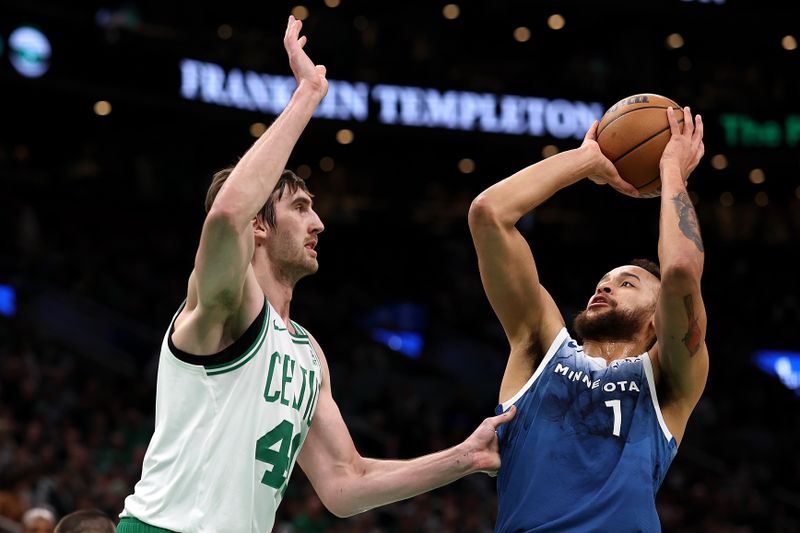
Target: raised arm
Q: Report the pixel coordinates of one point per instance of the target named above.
(529, 316)
(219, 283)
(349, 484)
(680, 313)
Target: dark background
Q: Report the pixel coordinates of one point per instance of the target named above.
(101, 216)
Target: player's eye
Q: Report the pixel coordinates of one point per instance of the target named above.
(627, 283)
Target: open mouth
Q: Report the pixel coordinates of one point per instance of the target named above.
(599, 301)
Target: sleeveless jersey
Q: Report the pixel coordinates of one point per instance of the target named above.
(228, 428)
(588, 448)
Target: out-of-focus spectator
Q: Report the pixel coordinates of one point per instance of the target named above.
(38, 520)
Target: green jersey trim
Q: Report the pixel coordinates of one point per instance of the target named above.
(299, 334)
(214, 370)
(299, 329)
(233, 356)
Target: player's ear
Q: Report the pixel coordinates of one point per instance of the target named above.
(260, 229)
(652, 322)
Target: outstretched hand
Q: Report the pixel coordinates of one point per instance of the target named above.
(303, 68)
(603, 170)
(483, 446)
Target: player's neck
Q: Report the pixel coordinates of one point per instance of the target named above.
(613, 350)
(278, 290)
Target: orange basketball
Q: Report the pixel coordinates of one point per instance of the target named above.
(633, 134)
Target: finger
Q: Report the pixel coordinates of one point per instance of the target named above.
(673, 122)
(592, 132)
(701, 150)
(302, 41)
(624, 187)
(503, 418)
(697, 136)
(321, 70)
(294, 29)
(289, 35)
(688, 125)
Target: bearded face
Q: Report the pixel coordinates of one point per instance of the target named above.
(621, 307)
(291, 242)
(611, 324)
(290, 256)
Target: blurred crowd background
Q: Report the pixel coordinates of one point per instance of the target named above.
(101, 213)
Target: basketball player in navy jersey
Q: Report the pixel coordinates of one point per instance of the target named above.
(597, 425)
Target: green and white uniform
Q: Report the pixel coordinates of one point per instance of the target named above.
(228, 429)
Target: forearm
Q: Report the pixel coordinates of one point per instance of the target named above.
(371, 483)
(680, 247)
(510, 199)
(257, 172)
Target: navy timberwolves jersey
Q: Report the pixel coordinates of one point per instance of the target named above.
(588, 448)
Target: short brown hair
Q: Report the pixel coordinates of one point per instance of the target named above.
(648, 265)
(288, 180)
(86, 521)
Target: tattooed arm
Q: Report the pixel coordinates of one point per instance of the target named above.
(682, 357)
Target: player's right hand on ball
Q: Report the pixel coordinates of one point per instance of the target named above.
(603, 171)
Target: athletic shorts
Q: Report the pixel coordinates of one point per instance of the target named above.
(129, 524)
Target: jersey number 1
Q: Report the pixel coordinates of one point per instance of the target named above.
(616, 406)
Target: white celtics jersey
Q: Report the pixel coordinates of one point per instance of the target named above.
(228, 429)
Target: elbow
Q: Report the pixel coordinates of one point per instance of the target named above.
(482, 212)
(682, 273)
(338, 511)
(221, 218)
(338, 504)
(343, 513)
(344, 492)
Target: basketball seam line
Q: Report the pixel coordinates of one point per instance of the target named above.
(645, 141)
(648, 183)
(630, 111)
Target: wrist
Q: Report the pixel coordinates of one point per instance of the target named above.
(465, 459)
(314, 92)
(586, 162)
(671, 174)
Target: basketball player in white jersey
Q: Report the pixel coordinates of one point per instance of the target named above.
(242, 390)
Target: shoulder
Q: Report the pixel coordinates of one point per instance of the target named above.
(558, 338)
(200, 328)
(317, 350)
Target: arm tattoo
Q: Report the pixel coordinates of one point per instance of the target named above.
(687, 219)
(693, 336)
